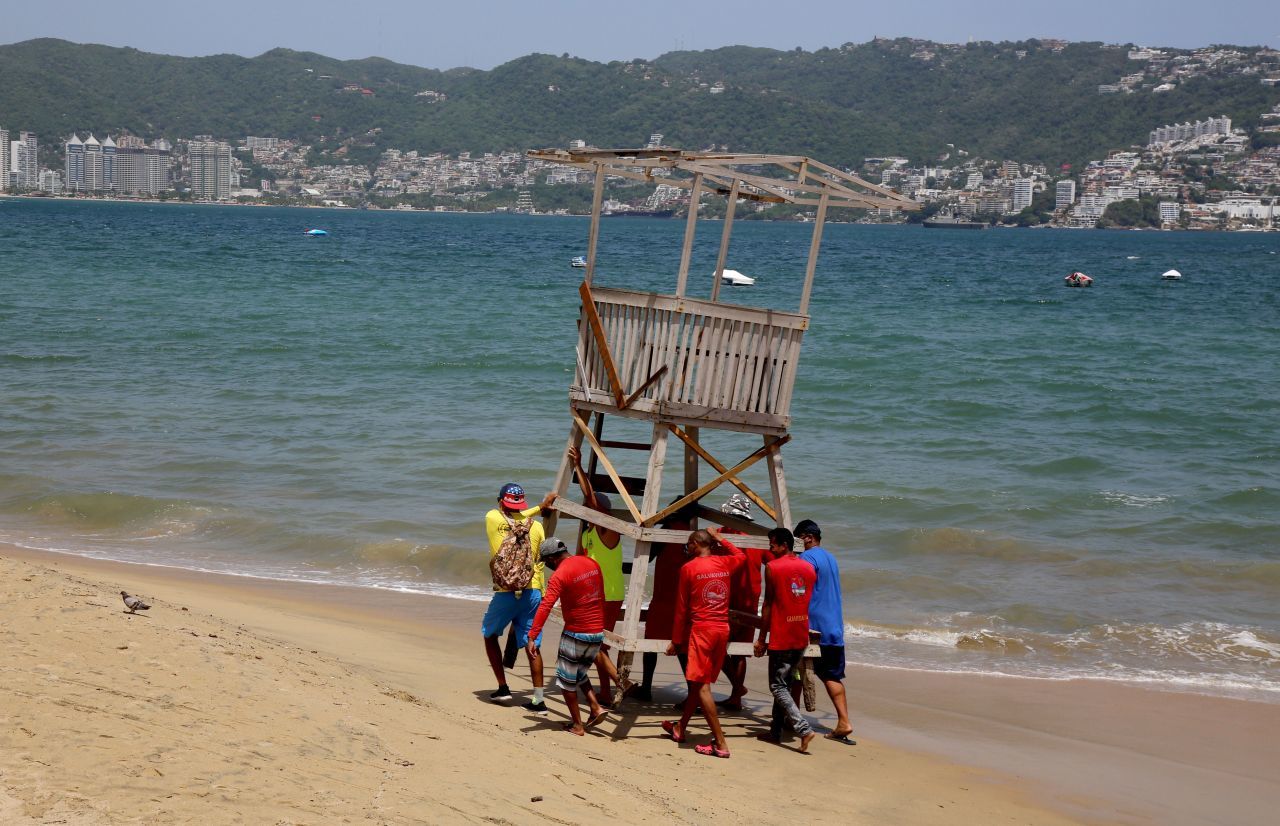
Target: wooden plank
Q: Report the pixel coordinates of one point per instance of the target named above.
(793, 360)
(602, 345)
(814, 243)
(624, 445)
(593, 234)
(690, 439)
(631, 399)
(698, 306)
(778, 487)
(660, 535)
(608, 468)
(743, 649)
(684, 414)
(756, 456)
(730, 209)
(577, 510)
(690, 227)
(693, 445)
(640, 568)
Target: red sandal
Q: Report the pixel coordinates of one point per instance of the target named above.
(669, 726)
(710, 750)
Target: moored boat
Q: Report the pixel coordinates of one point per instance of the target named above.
(1078, 279)
(948, 220)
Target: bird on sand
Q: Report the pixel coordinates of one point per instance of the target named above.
(133, 603)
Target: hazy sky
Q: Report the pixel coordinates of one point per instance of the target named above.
(484, 33)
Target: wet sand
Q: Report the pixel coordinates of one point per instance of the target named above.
(270, 702)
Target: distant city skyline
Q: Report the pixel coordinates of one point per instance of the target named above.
(486, 33)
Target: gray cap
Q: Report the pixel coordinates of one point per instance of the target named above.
(551, 547)
(602, 499)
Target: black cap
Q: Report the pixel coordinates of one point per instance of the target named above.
(807, 527)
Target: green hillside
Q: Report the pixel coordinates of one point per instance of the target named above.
(840, 104)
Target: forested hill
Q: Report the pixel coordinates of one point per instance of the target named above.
(1031, 101)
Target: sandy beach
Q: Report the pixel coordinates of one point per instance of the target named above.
(237, 700)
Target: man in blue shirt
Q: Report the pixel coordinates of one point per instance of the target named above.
(826, 616)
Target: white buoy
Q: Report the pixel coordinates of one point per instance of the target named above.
(1172, 275)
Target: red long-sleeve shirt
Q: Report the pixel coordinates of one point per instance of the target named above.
(706, 586)
(579, 586)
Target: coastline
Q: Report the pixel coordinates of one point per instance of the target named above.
(336, 688)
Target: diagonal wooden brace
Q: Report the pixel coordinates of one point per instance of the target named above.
(632, 398)
(608, 466)
(602, 344)
(732, 472)
(720, 468)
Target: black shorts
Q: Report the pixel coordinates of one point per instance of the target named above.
(830, 663)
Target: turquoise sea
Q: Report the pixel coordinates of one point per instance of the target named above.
(1016, 477)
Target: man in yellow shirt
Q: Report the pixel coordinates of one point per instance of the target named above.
(515, 608)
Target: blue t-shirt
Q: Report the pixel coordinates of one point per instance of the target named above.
(826, 613)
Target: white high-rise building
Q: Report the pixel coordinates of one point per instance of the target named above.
(974, 180)
(4, 159)
(24, 167)
(74, 165)
(210, 163)
(1064, 194)
(92, 180)
(50, 181)
(1022, 189)
(1170, 212)
(109, 151)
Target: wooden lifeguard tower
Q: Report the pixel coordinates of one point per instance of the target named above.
(685, 363)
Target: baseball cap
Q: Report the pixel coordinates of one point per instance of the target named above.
(807, 527)
(512, 496)
(739, 506)
(551, 547)
(602, 499)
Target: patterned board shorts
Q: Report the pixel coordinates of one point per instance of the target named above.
(577, 653)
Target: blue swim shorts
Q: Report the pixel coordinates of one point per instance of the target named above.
(506, 608)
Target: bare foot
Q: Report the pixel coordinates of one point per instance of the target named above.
(805, 741)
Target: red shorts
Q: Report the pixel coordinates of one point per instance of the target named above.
(707, 644)
(611, 612)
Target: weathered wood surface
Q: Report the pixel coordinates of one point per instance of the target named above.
(693, 359)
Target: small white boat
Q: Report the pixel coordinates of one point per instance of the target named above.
(736, 279)
(1078, 279)
(578, 262)
(315, 233)
(1172, 275)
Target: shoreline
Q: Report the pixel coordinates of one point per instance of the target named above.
(855, 633)
(398, 208)
(1038, 751)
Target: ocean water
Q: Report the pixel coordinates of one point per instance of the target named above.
(1017, 477)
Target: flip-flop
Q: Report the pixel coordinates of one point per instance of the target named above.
(669, 726)
(567, 728)
(597, 720)
(710, 750)
(841, 738)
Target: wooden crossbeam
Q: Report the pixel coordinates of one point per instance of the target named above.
(640, 390)
(756, 456)
(602, 343)
(608, 466)
(577, 510)
(720, 468)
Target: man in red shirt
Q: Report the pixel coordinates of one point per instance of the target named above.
(789, 584)
(701, 626)
(579, 587)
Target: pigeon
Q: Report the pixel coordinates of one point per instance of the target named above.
(133, 603)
